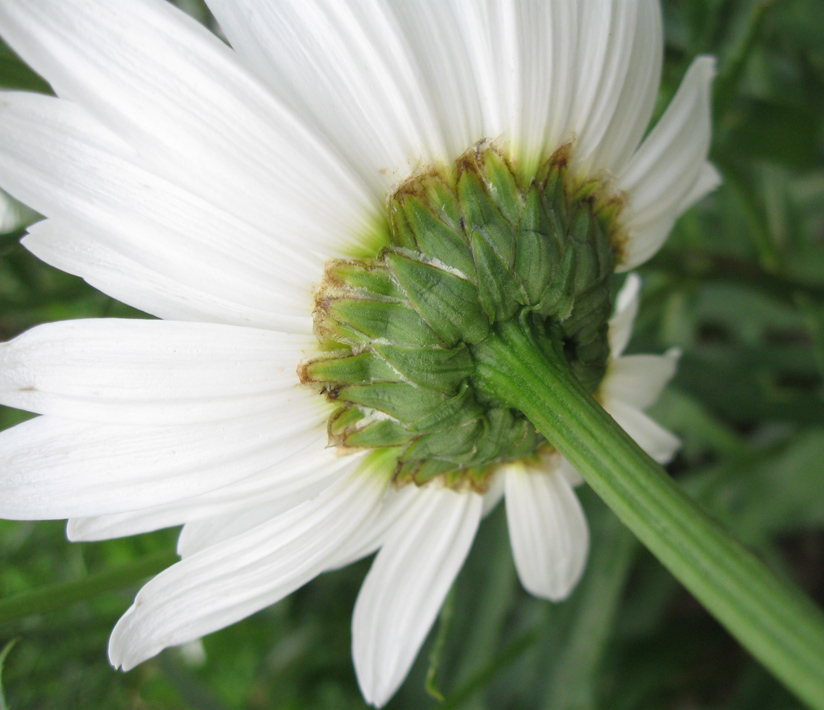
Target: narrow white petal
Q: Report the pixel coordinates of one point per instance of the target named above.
(178, 95)
(676, 148)
(564, 72)
(570, 473)
(619, 56)
(150, 372)
(548, 531)
(433, 32)
(637, 380)
(147, 289)
(487, 30)
(648, 236)
(233, 579)
(407, 584)
(493, 495)
(229, 521)
(661, 175)
(522, 58)
(536, 47)
(645, 241)
(67, 166)
(301, 475)
(628, 89)
(622, 321)
(349, 68)
(598, 24)
(708, 180)
(650, 436)
(53, 468)
(394, 503)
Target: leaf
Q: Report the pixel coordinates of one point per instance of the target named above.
(699, 428)
(435, 655)
(3, 655)
(778, 490)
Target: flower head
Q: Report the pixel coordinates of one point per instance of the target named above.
(331, 215)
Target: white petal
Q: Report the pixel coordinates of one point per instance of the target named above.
(233, 579)
(433, 32)
(645, 241)
(654, 233)
(349, 69)
(628, 88)
(637, 380)
(619, 60)
(661, 175)
(708, 180)
(570, 473)
(406, 586)
(67, 166)
(494, 495)
(178, 95)
(622, 321)
(228, 521)
(150, 372)
(549, 73)
(650, 436)
(394, 503)
(548, 530)
(54, 468)
(604, 45)
(523, 59)
(675, 151)
(158, 294)
(299, 476)
(481, 29)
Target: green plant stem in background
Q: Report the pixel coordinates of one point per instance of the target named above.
(3, 655)
(58, 596)
(774, 620)
(729, 78)
(507, 655)
(574, 681)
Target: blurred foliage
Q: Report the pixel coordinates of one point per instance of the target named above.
(739, 287)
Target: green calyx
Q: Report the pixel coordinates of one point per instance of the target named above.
(471, 248)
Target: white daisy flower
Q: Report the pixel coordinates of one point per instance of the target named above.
(306, 209)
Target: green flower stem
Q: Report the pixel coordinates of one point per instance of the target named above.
(774, 620)
(63, 594)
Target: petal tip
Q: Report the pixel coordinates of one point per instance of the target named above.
(705, 65)
(126, 648)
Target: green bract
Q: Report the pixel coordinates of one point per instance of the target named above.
(471, 248)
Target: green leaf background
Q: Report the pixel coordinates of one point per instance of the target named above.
(739, 287)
